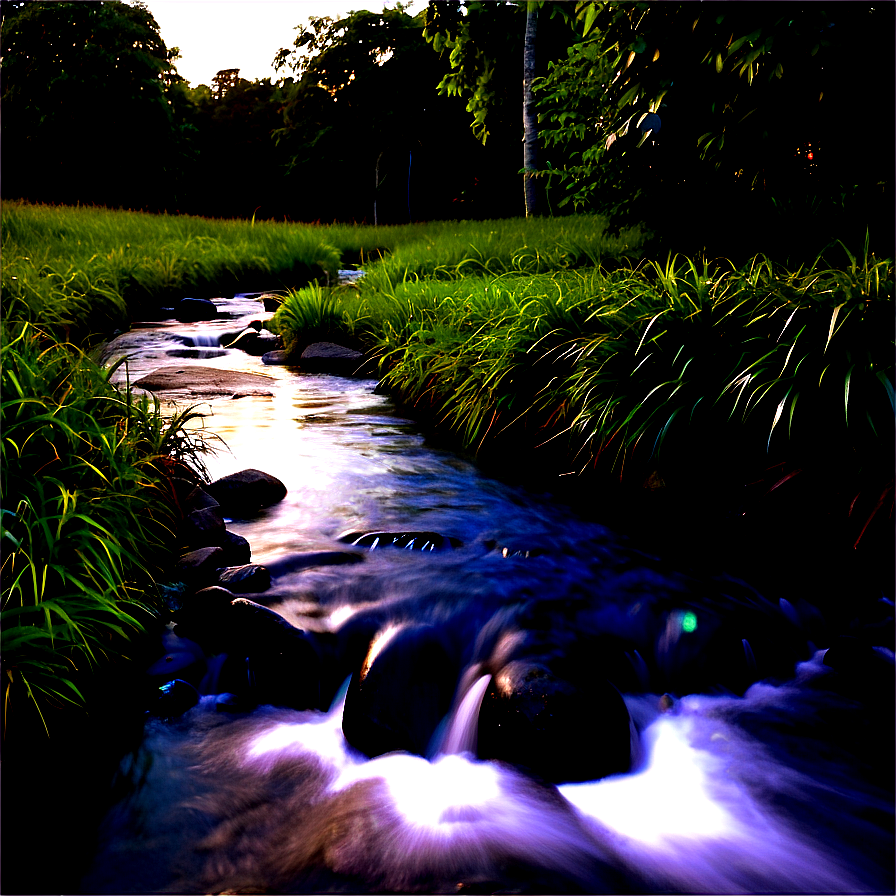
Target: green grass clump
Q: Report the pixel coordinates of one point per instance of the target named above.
(87, 520)
(92, 270)
(685, 367)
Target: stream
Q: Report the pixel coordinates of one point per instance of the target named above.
(754, 765)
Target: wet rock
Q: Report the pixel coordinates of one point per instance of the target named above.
(275, 357)
(283, 663)
(246, 491)
(199, 499)
(228, 702)
(189, 310)
(551, 728)
(199, 566)
(197, 354)
(182, 658)
(263, 343)
(184, 486)
(327, 357)
(247, 579)
(237, 550)
(411, 541)
(271, 302)
(173, 699)
(242, 338)
(402, 692)
(207, 382)
(203, 617)
(203, 528)
(307, 560)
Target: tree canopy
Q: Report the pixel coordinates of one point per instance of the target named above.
(85, 102)
(672, 113)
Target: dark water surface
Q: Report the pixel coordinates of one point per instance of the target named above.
(763, 770)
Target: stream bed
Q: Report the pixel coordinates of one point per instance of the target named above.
(751, 764)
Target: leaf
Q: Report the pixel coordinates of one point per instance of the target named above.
(846, 393)
(783, 480)
(590, 16)
(833, 323)
(719, 63)
(889, 387)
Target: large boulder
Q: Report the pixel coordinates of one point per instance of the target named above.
(247, 491)
(190, 310)
(327, 357)
(206, 382)
(401, 693)
(551, 728)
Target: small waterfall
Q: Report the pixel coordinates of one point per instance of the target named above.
(205, 339)
(464, 724)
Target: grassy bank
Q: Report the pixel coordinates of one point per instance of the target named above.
(703, 380)
(92, 270)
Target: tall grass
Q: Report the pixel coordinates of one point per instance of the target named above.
(87, 516)
(667, 362)
(91, 270)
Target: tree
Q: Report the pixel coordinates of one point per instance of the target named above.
(87, 116)
(739, 92)
(487, 41)
(363, 125)
(530, 126)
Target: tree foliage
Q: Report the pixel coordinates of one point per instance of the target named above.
(363, 110)
(740, 91)
(87, 116)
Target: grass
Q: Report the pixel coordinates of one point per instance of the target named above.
(87, 517)
(91, 270)
(670, 369)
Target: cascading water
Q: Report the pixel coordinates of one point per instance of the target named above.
(780, 789)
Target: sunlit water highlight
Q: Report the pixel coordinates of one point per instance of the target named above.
(730, 794)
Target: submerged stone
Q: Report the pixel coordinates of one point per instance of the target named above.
(275, 357)
(409, 541)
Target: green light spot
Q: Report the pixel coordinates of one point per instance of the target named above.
(689, 622)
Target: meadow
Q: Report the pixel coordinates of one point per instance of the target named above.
(549, 348)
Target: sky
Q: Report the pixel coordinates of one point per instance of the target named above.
(246, 34)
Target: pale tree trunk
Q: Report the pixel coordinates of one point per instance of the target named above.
(530, 127)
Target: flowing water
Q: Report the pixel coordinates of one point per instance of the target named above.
(754, 768)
